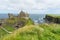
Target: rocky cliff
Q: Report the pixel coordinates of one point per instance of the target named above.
(52, 18)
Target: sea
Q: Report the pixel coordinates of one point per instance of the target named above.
(37, 18)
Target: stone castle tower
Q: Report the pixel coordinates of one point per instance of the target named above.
(23, 15)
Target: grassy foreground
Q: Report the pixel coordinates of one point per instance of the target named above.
(35, 32)
(7, 27)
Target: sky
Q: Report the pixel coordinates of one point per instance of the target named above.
(30, 6)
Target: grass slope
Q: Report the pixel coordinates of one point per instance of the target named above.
(7, 27)
(36, 32)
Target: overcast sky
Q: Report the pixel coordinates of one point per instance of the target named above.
(30, 6)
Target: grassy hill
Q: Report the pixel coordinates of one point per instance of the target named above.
(8, 28)
(35, 32)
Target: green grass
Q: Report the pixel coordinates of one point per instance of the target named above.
(10, 28)
(2, 33)
(21, 34)
(7, 27)
(36, 32)
(52, 31)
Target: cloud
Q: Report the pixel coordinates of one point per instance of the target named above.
(32, 6)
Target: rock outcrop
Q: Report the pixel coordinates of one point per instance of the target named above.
(52, 19)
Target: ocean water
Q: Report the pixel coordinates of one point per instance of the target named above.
(38, 18)
(3, 16)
